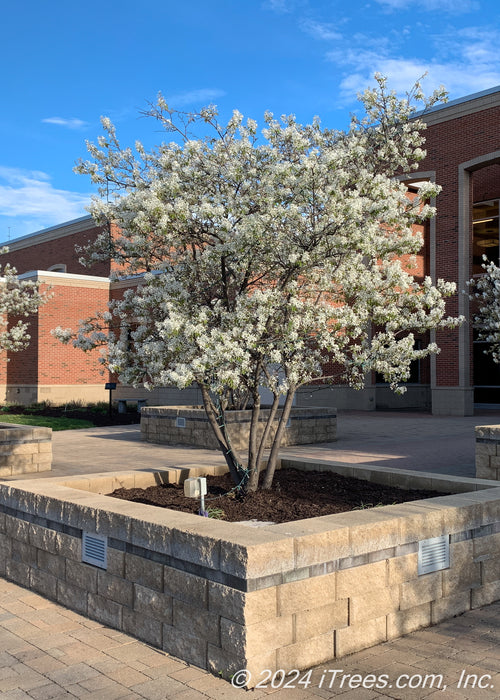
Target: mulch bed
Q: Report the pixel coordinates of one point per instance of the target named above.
(295, 495)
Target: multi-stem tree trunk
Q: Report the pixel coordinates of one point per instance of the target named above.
(216, 419)
(255, 458)
(252, 464)
(247, 478)
(278, 437)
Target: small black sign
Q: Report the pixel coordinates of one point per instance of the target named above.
(110, 385)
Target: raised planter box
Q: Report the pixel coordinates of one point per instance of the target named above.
(488, 452)
(24, 449)
(225, 596)
(188, 425)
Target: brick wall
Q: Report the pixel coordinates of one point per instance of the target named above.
(64, 364)
(31, 254)
(448, 144)
(47, 362)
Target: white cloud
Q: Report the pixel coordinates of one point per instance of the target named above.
(279, 6)
(321, 30)
(67, 123)
(282, 7)
(29, 202)
(402, 73)
(203, 96)
(451, 6)
(465, 61)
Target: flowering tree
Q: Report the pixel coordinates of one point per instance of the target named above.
(263, 254)
(18, 299)
(485, 290)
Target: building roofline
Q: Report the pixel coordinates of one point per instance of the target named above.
(66, 279)
(65, 275)
(58, 231)
(476, 102)
(467, 98)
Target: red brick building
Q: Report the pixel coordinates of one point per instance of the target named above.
(463, 156)
(48, 370)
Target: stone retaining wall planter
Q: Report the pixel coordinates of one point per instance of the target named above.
(188, 425)
(24, 449)
(488, 451)
(225, 596)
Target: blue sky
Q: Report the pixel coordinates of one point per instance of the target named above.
(68, 63)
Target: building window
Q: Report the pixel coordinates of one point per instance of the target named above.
(484, 234)
(60, 267)
(485, 241)
(486, 374)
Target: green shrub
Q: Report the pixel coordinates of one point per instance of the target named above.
(75, 405)
(100, 407)
(37, 407)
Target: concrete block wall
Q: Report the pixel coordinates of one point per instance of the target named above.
(24, 449)
(306, 425)
(488, 451)
(224, 596)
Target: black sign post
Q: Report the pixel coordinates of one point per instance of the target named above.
(110, 386)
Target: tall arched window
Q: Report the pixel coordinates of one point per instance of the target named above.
(485, 241)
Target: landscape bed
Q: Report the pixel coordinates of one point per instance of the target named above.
(224, 596)
(295, 494)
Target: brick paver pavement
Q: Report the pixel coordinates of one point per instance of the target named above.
(47, 651)
(420, 441)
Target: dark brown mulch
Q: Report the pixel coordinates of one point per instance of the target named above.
(295, 495)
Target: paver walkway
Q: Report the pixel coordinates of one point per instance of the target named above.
(419, 441)
(47, 651)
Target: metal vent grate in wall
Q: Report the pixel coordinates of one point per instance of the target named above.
(180, 422)
(433, 554)
(95, 549)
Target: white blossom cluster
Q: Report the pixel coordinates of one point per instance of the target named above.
(485, 290)
(18, 300)
(265, 254)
